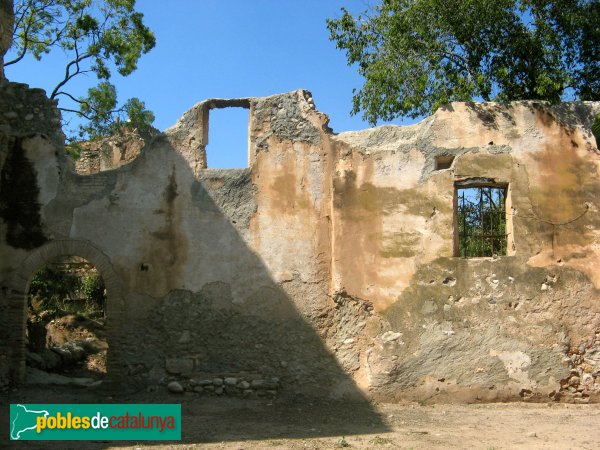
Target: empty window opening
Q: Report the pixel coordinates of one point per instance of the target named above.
(65, 320)
(481, 221)
(443, 162)
(227, 138)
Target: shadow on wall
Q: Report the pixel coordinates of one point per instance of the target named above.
(240, 324)
(497, 116)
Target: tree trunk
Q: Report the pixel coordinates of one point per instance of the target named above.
(7, 20)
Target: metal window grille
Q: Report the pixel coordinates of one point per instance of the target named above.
(482, 221)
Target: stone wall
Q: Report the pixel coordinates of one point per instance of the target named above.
(328, 265)
(107, 153)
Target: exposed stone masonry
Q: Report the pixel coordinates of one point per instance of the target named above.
(108, 153)
(26, 112)
(230, 386)
(583, 381)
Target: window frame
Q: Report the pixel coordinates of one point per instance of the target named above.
(476, 183)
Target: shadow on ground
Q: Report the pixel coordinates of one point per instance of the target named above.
(208, 420)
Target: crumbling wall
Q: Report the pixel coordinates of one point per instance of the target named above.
(327, 267)
(107, 153)
(30, 137)
(476, 328)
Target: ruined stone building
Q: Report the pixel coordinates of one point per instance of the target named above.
(455, 259)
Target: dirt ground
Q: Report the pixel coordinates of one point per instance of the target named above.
(231, 423)
(75, 328)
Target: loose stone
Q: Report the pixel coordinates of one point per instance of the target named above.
(175, 387)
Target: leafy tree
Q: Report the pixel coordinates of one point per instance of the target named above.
(98, 108)
(104, 119)
(99, 35)
(138, 116)
(417, 55)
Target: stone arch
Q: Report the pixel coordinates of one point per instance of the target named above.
(16, 287)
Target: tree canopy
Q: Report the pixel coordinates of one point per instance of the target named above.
(99, 36)
(416, 55)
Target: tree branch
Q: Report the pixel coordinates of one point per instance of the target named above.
(76, 112)
(68, 75)
(28, 12)
(26, 42)
(75, 99)
(83, 102)
(20, 14)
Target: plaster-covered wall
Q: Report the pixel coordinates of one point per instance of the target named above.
(326, 267)
(480, 328)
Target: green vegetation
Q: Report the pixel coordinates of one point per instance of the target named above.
(100, 107)
(50, 285)
(79, 292)
(98, 36)
(93, 288)
(416, 55)
(74, 149)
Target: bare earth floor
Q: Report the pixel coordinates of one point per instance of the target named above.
(225, 423)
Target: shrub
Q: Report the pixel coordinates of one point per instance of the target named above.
(93, 288)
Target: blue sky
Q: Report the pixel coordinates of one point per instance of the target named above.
(228, 48)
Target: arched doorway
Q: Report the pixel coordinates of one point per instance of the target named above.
(17, 286)
(66, 311)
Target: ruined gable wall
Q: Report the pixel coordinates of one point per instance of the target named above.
(477, 328)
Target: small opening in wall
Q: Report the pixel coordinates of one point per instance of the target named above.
(481, 225)
(443, 162)
(227, 138)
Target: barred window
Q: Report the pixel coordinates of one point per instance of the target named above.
(481, 221)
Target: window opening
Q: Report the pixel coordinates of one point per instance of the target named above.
(227, 138)
(481, 215)
(443, 162)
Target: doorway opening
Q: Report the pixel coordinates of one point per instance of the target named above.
(66, 316)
